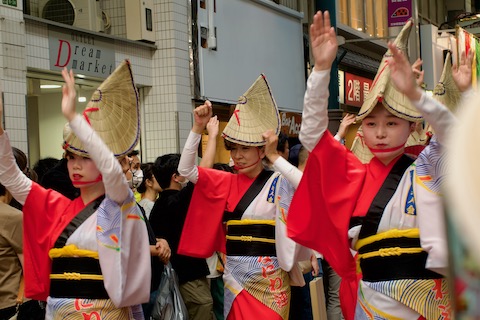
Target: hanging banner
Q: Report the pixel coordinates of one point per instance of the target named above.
(399, 11)
(467, 42)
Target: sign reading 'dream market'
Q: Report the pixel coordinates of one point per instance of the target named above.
(84, 53)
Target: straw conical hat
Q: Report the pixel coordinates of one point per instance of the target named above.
(383, 91)
(360, 149)
(446, 90)
(113, 112)
(255, 113)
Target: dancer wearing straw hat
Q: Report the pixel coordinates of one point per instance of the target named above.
(390, 209)
(253, 203)
(88, 256)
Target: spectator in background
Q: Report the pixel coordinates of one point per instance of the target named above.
(11, 255)
(148, 188)
(43, 165)
(168, 217)
(283, 147)
(57, 179)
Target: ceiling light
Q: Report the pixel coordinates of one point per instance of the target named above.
(82, 99)
(50, 86)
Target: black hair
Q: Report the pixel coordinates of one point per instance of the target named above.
(222, 167)
(229, 145)
(134, 153)
(147, 169)
(282, 141)
(57, 178)
(164, 167)
(22, 163)
(43, 165)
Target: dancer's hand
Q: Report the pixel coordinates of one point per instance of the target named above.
(68, 95)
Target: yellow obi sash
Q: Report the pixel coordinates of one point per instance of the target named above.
(251, 238)
(393, 255)
(76, 273)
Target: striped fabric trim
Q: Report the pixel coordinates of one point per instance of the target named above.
(393, 233)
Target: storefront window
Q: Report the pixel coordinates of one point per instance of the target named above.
(343, 11)
(380, 9)
(369, 16)
(357, 14)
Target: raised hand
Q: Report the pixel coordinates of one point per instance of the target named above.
(202, 115)
(68, 95)
(271, 146)
(323, 41)
(212, 126)
(462, 72)
(345, 123)
(419, 74)
(401, 74)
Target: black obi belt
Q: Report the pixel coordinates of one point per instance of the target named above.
(393, 255)
(251, 238)
(77, 277)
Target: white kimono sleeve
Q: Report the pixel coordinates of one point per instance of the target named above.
(315, 113)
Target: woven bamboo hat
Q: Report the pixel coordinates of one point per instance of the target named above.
(360, 149)
(113, 112)
(384, 92)
(446, 90)
(255, 113)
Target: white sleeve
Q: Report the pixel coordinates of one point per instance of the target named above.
(288, 171)
(116, 185)
(437, 115)
(18, 184)
(186, 166)
(315, 113)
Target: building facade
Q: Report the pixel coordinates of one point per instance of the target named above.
(182, 53)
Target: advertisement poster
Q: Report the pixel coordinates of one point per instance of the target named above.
(399, 11)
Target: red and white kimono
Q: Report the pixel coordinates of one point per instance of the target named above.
(256, 287)
(336, 186)
(115, 234)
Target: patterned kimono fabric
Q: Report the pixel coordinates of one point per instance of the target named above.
(255, 285)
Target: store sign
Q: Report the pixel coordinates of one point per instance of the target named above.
(341, 86)
(290, 123)
(357, 88)
(399, 11)
(10, 3)
(84, 53)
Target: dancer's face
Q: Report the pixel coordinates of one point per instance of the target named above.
(82, 171)
(386, 134)
(247, 159)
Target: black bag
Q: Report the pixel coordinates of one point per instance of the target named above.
(31, 310)
(169, 304)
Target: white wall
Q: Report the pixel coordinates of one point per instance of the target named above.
(253, 37)
(51, 123)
